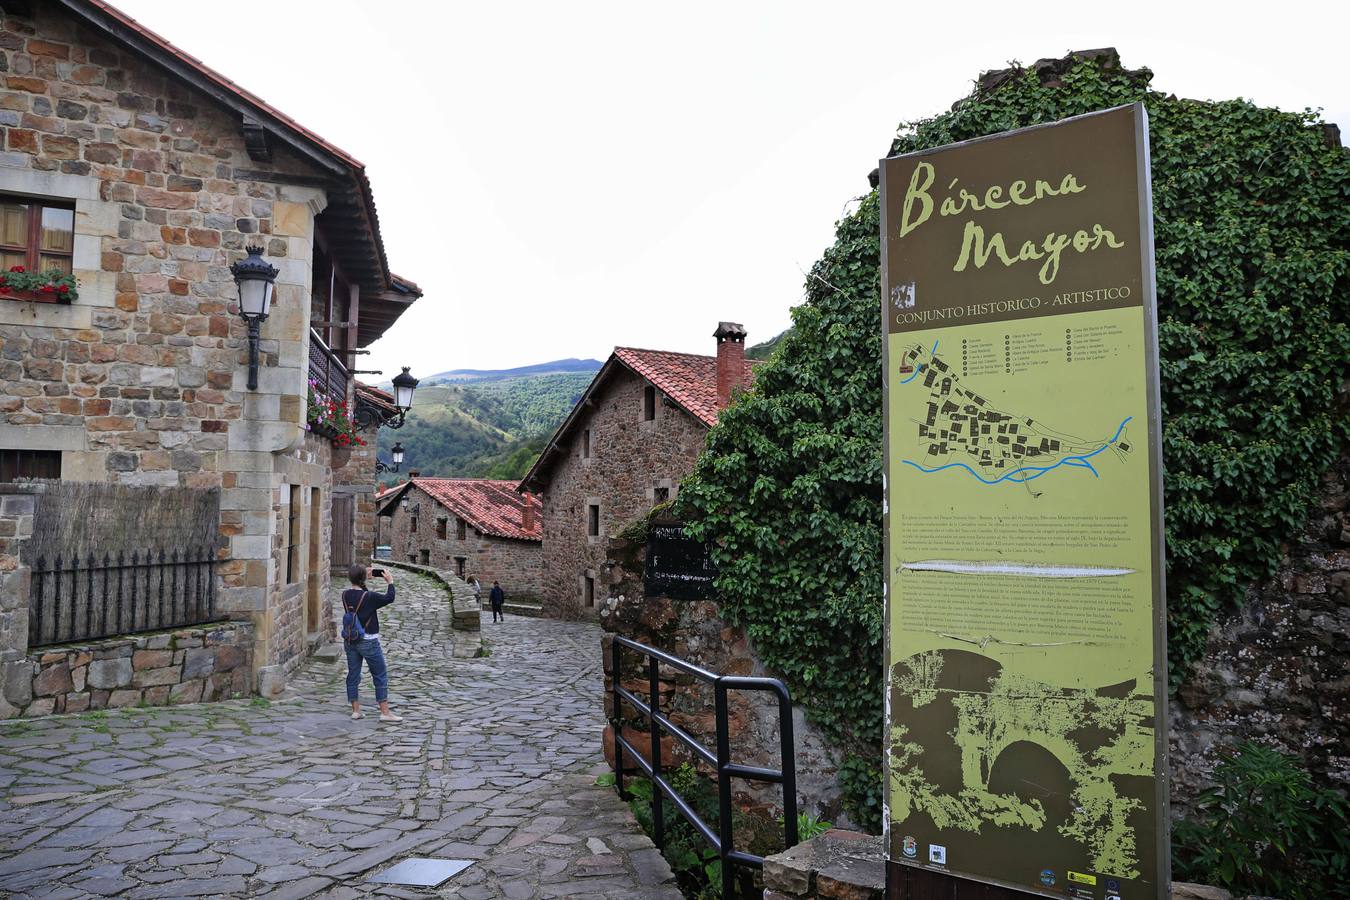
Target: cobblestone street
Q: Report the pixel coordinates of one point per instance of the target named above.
(495, 762)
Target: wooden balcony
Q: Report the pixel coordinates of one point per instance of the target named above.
(327, 373)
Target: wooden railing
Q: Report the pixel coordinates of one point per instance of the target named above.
(326, 371)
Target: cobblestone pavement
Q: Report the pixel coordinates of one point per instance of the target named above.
(495, 762)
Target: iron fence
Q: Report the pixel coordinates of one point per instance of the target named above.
(720, 840)
(75, 599)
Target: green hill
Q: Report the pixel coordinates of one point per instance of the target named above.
(485, 425)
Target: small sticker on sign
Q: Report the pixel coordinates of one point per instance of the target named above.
(1081, 878)
(937, 854)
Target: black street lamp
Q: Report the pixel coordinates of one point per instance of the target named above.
(404, 385)
(396, 452)
(255, 279)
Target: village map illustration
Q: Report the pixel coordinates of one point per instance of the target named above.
(961, 431)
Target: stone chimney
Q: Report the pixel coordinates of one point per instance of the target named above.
(413, 473)
(527, 515)
(730, 360)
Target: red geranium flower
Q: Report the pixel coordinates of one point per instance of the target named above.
(65, 289)
(16, 268)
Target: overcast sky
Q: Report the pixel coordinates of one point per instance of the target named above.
(564, 177)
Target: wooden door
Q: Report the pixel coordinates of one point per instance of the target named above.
(342, 530)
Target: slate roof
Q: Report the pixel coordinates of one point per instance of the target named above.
(493, 507)
(687, 378)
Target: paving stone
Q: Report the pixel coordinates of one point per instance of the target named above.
(495, 761)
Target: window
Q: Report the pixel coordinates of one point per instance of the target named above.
(586, 444)
(440, 528)
(426, 557)
(459, 566)
(459, 530)
(412, 527)
(660, 495)
(593, 520)
(15, 464)
(293, 537)
(649, 403)
(36, 234)
(588, 592)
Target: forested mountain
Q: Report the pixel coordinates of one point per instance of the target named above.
(486, 424)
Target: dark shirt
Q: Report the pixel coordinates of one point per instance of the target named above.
(497, 595)
(370, 620)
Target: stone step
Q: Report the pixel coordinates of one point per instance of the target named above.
(329, 653)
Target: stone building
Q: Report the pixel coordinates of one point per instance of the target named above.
(143, 174)
(467, 526)
(623, 449)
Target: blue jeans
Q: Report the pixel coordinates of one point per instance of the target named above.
(369, 651)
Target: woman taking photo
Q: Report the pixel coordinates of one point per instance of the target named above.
(363, 605)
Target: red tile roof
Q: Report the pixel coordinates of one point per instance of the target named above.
(687, 378)
(493, 507)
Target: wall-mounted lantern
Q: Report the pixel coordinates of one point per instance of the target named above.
(255, 279)
(404, 385)
(396, 452)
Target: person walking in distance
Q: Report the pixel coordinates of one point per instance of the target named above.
(477, 590)
(497, 597)
(361, 638)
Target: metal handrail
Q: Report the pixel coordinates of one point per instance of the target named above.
(722, 839)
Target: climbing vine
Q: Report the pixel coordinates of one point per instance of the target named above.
(1252, 229)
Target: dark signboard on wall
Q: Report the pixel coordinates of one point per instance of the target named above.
(678, 566)
(1025, 621)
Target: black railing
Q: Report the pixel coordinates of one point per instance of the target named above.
(75, 599)
(722, 839)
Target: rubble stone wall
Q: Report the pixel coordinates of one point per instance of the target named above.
(1278, 670)
(693, 631)
(631, 459)
(209, 662)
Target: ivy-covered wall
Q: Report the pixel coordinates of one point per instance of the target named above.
(1252, 224)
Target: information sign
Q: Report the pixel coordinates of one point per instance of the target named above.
(1026, 689)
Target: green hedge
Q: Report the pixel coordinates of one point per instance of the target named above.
(1252, 220)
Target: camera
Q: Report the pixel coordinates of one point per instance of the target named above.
(377, 573)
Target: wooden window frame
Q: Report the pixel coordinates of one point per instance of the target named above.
(33, 251)
(412, 526)
(461, 530)
(441, 525)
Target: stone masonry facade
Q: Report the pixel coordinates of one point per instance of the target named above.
(1277, 671)
(517, 564)
(141, 379)
(185, 666)
(633, 462)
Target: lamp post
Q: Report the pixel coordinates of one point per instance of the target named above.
(255, 278)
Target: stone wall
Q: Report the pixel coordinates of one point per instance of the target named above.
(517, 564)
(141, 379)
(355, 477)
(1278, 670)
(693, 631)
(189, 665)
(18, 507)
(630, 460)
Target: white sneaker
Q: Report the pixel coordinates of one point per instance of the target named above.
(356, 714)
(390, 717)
